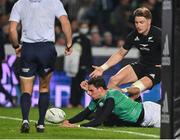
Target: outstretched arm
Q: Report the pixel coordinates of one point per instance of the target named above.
(113, 60)
(101, 114)
(77, 118)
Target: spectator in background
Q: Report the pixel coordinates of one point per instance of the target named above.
(60, 39)
(108, 40)
(120, 43)
(74, 26)
(2, 58)
(85, 61)
(155, 7)
(120, 18)
(2, 6)
(96, 40)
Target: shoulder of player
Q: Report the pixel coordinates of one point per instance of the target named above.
(113, 92)
(156, 30)
(132, 33)
(131, 36)
(19, 2)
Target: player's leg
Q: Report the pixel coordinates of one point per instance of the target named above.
(125, 75)
(151, 77)
(76, 91)
(46, 61)
(25, 101)
(3, 90)
(151, 119)
(7, 95)
(44, 97)
(27, 75)
(139, 86)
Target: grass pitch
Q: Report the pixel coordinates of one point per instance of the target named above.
(10, 122)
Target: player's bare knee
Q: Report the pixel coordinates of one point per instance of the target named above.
(27, 90)
(43, 88)
(134, 90)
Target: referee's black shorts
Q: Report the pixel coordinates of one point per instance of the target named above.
(37, 58)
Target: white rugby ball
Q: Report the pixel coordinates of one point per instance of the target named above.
(55, 115)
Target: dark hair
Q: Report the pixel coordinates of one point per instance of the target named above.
(142, 12)
(97, 82)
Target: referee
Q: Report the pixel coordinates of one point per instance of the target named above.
(37, 52)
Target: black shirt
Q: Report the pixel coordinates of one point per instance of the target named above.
(86, 56)
(149, 45)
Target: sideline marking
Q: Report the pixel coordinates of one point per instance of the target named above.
(123, 131)
(92, 128)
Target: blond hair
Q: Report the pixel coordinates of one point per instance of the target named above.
(142, 12)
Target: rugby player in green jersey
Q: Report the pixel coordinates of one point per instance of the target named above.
(113, 107)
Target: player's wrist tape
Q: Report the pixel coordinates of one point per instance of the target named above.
(78, 125)
(124, 89)
(104, 67)
(139, 85)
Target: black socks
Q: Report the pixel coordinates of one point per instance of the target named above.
(43, 105)
(25, 103)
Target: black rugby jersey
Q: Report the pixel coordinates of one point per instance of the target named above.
(149, 45)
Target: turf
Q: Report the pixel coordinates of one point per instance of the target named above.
(10, 128)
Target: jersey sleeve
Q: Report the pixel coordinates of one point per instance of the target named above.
(101, 114)
(129, 41)
(15, 13)
(92, 105)
(59, 9)
(81, 116)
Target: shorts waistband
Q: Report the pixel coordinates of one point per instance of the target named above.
(48, 42)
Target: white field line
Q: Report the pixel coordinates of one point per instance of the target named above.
(92, 128)
(127, 132)
(19, 119)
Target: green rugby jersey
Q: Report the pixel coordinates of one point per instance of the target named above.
(125, 108)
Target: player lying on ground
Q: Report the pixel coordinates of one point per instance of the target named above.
(112, 107)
